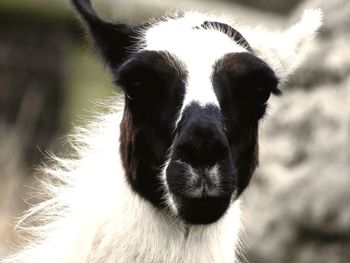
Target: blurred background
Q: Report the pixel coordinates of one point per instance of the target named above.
(297, 208)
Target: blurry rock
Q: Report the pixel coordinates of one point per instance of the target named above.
(282, 7)
(329, 61)
(297, 209)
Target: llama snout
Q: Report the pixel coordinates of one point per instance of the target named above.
(200, 175)
(196, 182)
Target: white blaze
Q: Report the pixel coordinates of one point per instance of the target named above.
(197, 49)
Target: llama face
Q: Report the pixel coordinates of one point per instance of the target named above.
(193, 109)
(195, 90)
(207, 149)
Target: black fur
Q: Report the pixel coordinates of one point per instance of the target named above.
(201, 140)
(154, 86)
(113, 40)
(204, 210)
(243, 84)
(201, 143)
(154, 91)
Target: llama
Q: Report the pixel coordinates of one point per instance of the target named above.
(165, 185)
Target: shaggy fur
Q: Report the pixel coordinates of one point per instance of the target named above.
(93, 215)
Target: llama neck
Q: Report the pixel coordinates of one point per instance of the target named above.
(140, 232)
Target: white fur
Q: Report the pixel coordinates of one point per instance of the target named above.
(197, 49)
(93, 216)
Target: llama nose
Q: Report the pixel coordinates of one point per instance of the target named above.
(201, 145)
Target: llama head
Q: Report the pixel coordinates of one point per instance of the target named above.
(195, 90)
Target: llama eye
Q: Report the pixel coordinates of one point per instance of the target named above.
(135, 81)
(132, 89)
(263, 96)
(135, 84)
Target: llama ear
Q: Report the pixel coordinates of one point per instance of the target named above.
(112, 40)
(284, 51)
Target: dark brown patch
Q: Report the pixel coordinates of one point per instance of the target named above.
(154, 93)
(243, 84)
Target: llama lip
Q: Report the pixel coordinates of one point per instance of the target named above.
(204, 210)
(197, 182)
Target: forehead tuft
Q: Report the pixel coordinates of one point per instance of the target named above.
(183, 37)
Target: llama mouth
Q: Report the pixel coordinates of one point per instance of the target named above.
(199, 182)
(198, 194)
(202, 211)
(186, 181)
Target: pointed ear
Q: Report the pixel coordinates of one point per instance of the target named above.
(112, 40)
(284, 51)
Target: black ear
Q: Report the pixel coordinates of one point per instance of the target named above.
(113, 40)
